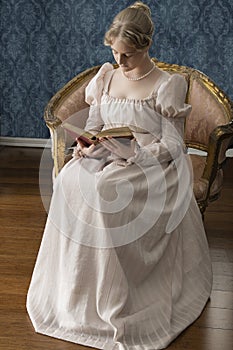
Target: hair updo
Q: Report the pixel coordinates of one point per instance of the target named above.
(132, 25)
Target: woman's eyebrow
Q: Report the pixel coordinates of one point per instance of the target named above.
(124, 53)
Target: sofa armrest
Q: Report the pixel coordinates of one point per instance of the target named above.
(219, 142)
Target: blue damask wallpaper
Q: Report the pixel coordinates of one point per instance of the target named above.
(44, 43)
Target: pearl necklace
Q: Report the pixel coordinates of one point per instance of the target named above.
(141, 77)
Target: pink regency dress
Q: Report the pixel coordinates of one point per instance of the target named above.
(124, 261)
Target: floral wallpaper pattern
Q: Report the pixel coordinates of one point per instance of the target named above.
(44, 43)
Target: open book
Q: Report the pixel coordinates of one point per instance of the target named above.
(88, 139)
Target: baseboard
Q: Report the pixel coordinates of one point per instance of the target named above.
(46, 143)
(25, 142)
(229, 152)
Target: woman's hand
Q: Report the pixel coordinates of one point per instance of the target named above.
(119, 148)
(93, 151)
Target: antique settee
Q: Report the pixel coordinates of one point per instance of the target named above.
(208, 129)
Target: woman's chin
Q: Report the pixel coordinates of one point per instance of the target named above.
(125, 68)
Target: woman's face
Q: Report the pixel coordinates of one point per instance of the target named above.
(127, 57)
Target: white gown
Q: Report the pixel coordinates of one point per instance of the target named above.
(124, 261)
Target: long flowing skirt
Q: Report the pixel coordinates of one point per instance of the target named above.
(113, 271)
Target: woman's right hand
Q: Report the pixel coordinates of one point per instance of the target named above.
(93, 151)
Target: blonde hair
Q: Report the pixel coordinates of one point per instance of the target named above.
(132, 25)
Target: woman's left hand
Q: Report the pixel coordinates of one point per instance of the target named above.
(119, 148)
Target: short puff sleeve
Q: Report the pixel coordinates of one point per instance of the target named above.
(95, 87)
(93, 94)
(171, 97)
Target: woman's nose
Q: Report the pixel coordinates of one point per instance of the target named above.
(121, 59)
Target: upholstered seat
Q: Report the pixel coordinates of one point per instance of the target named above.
(208, 129)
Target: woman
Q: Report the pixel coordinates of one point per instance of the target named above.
(124, 261)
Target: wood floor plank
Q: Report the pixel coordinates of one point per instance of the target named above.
(218, 254)
(17, 265)
(197, 338)
(216, 318)
(221, 299)
(18, 251)
(224, 283)
(14, 284)
(38, 342)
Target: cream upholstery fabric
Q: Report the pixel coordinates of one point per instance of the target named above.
(206, 115)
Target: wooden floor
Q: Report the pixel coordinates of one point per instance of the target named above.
(21, 225)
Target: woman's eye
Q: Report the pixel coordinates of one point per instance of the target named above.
(125, 55)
